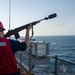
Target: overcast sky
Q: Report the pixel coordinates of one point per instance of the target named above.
(26, 11)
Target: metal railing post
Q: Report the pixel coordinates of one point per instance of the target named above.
(56, 59)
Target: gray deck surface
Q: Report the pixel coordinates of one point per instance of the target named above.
(34, 60)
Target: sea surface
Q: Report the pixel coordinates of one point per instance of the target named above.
(64, 48)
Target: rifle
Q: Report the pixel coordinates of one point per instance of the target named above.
(16, 30)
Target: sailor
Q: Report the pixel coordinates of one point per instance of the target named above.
(8, 64)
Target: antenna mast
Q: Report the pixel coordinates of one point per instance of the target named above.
(9, 14)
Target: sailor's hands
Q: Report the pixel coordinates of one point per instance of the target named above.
(29, 27)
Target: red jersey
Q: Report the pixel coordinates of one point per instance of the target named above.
(8, 63)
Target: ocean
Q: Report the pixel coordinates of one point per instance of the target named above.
(64, 48)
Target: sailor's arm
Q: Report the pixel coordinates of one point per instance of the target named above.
(27, 35)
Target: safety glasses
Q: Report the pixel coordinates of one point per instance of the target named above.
(1, 30)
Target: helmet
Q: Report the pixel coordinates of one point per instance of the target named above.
(1, 26)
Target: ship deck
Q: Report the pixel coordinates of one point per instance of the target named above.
(29, 61)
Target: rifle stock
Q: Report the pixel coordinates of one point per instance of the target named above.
(16, 30)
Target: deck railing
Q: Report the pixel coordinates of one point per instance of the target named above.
(57, 66)
(64, 67)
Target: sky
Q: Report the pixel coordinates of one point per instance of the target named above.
(21, 12)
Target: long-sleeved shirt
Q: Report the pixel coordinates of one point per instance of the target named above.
(17, 46)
